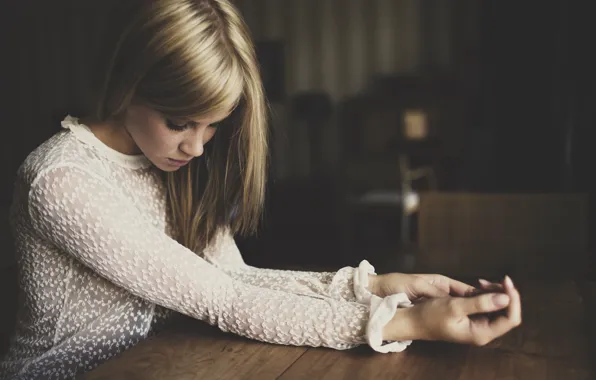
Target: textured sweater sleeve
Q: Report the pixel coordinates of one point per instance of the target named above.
(90, 219)
(224, 254)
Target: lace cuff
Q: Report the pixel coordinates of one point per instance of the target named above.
(363, 295)
(382, 311)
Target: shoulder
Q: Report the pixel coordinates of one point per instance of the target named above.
(63, 151)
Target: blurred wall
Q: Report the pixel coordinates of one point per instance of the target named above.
(336, 45)
(48, 49)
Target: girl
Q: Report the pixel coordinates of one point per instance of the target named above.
(129, 215)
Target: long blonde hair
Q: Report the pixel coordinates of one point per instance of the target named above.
(187, 58)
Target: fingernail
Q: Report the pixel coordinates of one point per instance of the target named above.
(501, 299)
(509, 282)
(483, 282)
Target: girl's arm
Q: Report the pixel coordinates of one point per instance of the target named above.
(340, 285)
(88, 218)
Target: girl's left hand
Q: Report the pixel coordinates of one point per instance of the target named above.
(417, 286)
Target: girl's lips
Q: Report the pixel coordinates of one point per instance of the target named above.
(177, 162)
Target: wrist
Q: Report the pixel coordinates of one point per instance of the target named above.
(372, 286)
(403, 326)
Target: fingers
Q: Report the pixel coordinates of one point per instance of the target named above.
(513, 317)
(514, 314)
(485, 303)
(449, 285)
(487, 285)
(422, 288)
(506, 322)
(459, 288)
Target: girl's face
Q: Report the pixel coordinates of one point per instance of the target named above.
(169, 144)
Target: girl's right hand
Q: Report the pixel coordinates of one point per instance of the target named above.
(459, 319)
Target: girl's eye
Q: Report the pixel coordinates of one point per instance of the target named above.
(176, 127)
(215, 125)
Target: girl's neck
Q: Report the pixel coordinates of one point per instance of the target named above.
(113, 133)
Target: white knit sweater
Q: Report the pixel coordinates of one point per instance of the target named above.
(99, 270)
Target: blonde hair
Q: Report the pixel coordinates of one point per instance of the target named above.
(187, 58)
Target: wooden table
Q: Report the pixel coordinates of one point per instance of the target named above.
(555, 341)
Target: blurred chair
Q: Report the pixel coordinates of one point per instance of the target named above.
(380, 168)
(410, 199)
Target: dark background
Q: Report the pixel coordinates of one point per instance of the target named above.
(508, 87)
